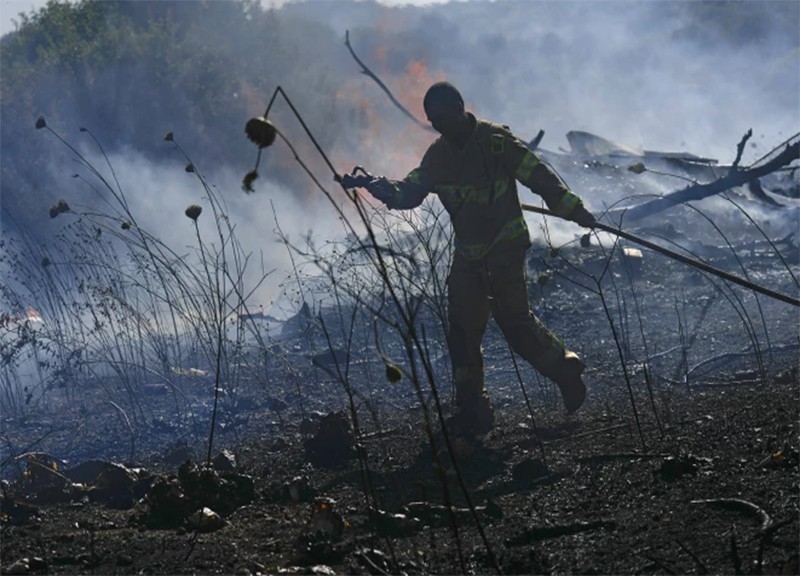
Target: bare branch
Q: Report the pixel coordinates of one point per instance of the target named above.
(740, 146)
(379, 82)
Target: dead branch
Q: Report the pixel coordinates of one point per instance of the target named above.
(740, 147)
(534, 144)
(739, 505)
(735, 177)
(365, 70)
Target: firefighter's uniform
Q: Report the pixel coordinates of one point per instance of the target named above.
(477, 186)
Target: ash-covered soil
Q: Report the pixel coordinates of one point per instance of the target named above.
(710, 488)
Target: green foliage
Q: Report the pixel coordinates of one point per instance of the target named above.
(130, 71)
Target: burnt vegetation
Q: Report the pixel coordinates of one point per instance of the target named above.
(157, 419)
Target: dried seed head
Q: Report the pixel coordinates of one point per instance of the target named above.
(637, 167)
(45, 261)
(189, 167)
(59, 208)
(169, 137)
(260, 131)
(247, 183)
(193, 211)
(40, 123)
(126, 225)
(586, 240)
(393, 373)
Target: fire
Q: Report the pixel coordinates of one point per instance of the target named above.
(32, 315)
(384, 138)
(10, 321)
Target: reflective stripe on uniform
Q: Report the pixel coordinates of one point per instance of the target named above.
(497, 144)
(525, 168)
(512, 229)
(472, 194)
(566, 204)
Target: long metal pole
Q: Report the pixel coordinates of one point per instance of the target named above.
(679, 257)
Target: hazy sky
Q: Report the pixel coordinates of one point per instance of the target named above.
(10, 9)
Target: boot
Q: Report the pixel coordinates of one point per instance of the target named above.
(473, 418)
(568, 378)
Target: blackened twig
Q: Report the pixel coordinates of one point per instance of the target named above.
(365, 70)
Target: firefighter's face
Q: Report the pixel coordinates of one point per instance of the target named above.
(446, 119)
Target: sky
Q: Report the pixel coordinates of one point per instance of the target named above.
(10, 9)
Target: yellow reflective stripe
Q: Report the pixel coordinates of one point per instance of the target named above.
(566, 204)
(463, 193)
(525, 168)
(497, 144)
(500, 187)
(472, 194)
(510, 230)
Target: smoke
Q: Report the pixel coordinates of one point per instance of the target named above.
(655, 75)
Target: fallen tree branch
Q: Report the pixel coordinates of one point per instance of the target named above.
(736, 177)
(739, 505)
(365, 70)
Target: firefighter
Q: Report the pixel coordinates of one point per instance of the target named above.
(473, 168)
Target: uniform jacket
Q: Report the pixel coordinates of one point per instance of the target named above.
(477, 186)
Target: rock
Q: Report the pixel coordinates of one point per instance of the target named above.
(206, 520)
(113, 486)
(333, 443)
(225, 461)
(675, 468)
(21, 566)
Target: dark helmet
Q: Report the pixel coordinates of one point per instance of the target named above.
(443, 93)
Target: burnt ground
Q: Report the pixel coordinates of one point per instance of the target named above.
(706, 483)
(597, 504)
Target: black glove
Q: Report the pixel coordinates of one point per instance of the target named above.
(580, 215)
(381, 189)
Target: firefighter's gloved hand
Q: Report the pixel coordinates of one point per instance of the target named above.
(381, 189)
(580, 215)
